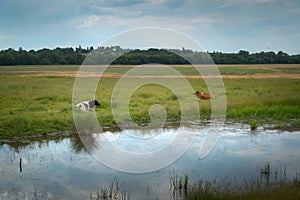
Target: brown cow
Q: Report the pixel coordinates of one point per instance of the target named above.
(202, 95)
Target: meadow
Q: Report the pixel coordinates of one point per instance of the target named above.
(38, 99)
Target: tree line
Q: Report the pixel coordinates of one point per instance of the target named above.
(118, 55)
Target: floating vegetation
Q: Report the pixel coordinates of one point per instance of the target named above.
(253, 125)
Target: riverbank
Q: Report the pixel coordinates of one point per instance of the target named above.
(65, 134)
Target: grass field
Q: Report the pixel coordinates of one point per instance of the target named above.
(187, 70)
(34, 101)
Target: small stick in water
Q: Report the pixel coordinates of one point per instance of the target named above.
(20, 164)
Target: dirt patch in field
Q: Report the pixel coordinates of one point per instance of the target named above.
(255, 76)
(118, 75)
(259, 66)
(285, 128)
(97, 71)
(261, 76)
(64, 74)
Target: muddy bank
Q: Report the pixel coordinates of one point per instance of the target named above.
(38, 137)
(284, 128)
(65, 134)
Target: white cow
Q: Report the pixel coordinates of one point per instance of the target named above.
(88, 105)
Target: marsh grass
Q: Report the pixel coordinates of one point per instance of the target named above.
(178, 184)
(180, 188)
(280, 190)
(33, 105)
(111, 192)
(174, 180)
(269, 185)
(253, 125)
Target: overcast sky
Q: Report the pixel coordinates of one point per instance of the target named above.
(218, 25)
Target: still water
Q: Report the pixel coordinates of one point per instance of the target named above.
(65, 169)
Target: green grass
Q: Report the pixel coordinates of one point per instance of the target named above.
(243, 71)
(33, 105)
(281, 190)
(263, 99)
(295, 70)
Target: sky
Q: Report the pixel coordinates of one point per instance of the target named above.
(217, 25)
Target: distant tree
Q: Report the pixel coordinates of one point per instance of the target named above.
(118, 55)
(243, 53)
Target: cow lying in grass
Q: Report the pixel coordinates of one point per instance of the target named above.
(88, 105)
(202, 95)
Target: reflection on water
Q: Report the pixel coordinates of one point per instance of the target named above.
(76, 144)
(63, 168)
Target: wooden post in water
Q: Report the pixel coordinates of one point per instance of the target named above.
(20, 164)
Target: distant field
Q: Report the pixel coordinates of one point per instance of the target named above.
(42, 102)
(279, 70)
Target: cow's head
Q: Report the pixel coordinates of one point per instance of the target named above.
(196, 93)
(96, 103)
(93, 103)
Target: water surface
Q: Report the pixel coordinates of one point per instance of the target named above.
(64, 169)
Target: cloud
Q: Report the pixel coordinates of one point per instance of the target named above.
(7, 36)
(180, 23)
(94, 9)
(23, 14)
(228, 3)
(203, 20)
(65, 22)
(121, 3)
(172, 4)
(96, 20)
